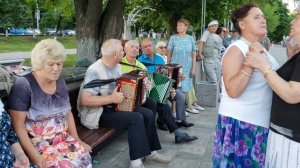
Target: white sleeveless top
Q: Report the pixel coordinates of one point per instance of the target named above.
(254, 104)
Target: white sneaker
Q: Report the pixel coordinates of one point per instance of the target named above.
(174, 115)
(187, 114)
(192, 110)
(139, 166)
(197, 107)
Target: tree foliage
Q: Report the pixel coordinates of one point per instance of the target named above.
(169, 11)
(283, 27)
(13, 14)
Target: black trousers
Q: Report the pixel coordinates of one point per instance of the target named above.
(142, 135)
(164, 113)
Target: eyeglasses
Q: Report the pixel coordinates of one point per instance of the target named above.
(161, 47)
(213, 26)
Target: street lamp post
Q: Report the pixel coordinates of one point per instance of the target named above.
(37, 16)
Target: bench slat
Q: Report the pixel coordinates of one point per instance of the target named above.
(98, 136)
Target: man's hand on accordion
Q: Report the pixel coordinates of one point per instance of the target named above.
(147, 84)
(117, 97)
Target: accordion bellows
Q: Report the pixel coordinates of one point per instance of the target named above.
(161, 86)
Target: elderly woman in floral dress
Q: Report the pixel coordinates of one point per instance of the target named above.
(244, 111)
(41, 113)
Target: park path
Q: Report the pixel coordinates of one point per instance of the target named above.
(19, 55)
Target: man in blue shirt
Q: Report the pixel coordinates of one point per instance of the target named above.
(149, 56)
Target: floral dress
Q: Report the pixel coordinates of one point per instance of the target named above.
(182, 49)
(7, 138)
(46, 124)
(239, 150)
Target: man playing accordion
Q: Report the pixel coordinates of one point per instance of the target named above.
(149, 56)
(142, 136)
(131, 51)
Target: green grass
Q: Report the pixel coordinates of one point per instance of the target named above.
(26, 43)
(69, 62)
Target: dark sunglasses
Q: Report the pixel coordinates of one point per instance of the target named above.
(162, 47)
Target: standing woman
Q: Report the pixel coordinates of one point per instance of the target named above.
(244, 111)
(182, 50)
(41, 113)
(283, 149)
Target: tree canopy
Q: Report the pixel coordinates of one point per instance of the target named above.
(167, 12)
(98, 20)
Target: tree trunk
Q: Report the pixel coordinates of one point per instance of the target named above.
(58, 27)
(112, 23)
(88, 15)
(33, 17)
(172, 28)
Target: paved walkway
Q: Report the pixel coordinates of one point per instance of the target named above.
(196, 154)
(18, 55)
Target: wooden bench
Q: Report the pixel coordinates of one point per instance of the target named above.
(96, 138)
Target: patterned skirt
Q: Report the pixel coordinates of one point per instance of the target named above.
(282, 152)
(239, 144)
(50, 138)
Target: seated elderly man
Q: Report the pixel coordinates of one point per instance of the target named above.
(149, 56)
(142, 136)
(131, 51)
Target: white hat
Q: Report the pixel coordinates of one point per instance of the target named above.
(214, 22)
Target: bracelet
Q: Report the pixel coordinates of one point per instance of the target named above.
(246, 73)
(267, 72)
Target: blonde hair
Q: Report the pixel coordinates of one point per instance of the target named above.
(47, 48)
(110, 46)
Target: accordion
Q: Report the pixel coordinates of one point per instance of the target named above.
(161, 86)
(131, 84)
(172, 71)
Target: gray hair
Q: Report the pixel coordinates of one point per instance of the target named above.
(131, 42)
(47, 48)
(110, 46)
(160, 43)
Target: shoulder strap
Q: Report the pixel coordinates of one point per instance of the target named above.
(103, 75)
